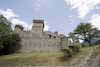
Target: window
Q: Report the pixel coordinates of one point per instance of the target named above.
(50, 36)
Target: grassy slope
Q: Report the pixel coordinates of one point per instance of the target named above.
(94, 60)
(45, 59)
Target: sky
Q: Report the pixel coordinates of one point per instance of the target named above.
(59, 15)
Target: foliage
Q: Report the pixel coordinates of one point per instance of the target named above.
(72, 50)
(73, 37)
(68, 52)
(9, 41)
(76, 48)
(86, 32)
(5, 25)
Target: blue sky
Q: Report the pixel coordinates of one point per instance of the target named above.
(60, 15)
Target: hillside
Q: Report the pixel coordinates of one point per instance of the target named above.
(88, 57)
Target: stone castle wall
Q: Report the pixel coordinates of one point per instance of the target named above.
(39, 40)
(32, 41)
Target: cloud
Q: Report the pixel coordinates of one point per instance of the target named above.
(46, 28)
(83, 6)
(95, 20)
(8, 13)
(15, 21)
(37, 4)
(13, 17)
(97, 7)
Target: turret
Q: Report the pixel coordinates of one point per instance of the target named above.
(38, 25)
(18, 28)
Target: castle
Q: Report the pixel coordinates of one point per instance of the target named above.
(39, 40)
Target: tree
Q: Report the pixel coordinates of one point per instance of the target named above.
(5, 25)
(73, 37)
(5, 28)
(9, 41)
(86, 32)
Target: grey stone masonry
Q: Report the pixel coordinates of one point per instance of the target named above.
(32, 41)
(35, 41)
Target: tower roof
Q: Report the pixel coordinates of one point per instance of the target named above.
(19, 26)
(39, 21)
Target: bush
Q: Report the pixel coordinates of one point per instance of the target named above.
(68, 52)
(72, 50)
(10, 43)
(75, 48)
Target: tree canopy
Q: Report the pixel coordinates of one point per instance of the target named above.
(86, 32)
(5, 25)
(9, 41)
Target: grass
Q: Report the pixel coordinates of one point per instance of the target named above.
(96, 51)
(43, 59)
(84, 51)
(76, 59)
(32, 59)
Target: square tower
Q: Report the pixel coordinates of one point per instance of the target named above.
(38, 25)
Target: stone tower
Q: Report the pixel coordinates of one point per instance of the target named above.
(38, 25)
(18, 28)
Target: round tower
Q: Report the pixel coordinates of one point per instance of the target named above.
(18, 28)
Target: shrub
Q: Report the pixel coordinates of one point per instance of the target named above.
(10, 43)
(72, 50)
(68, 52)
(75, 48)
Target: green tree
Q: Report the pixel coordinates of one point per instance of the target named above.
(72, 36)
(9, 41)
(5, 28)
(5, 25)
(86, 32)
